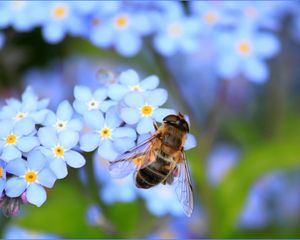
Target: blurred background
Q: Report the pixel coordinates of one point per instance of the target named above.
(231, 66)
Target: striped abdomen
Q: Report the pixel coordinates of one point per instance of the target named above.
(155, 173)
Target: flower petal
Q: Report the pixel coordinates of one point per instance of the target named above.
(134, 99)
(190, 142)
(36, 160)
(15, 186)
(36, 194)
(94, 119)
(130, 115)
(6, 128)
(107, 151)
(25, 144)
(46, 178)
(145, 126)
(17, 167)
(24, 127)
(74, 159)
(100, 94)
(124, 132)
(112, 119)
(117, 91)
(59, 168)
(47, 136)
(89, 142)
(157, 97)
(82, 93)
(75, 124)
(10, 152)
(160, 113)
(150, 83)
(68, 139)
(64, 111)
(129, 77)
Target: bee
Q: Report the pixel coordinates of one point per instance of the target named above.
(160, 159)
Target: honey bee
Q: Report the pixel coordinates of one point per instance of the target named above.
(160, 159)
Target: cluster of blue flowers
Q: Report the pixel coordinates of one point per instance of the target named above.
(241, 35)
(37, 144)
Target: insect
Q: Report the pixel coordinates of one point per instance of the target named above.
(160, 159)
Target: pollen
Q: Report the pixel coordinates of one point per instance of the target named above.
(30, 176)
(105, 132)
(244, 47)
(136, 88)
(60, 11)
(58, 151)
(175, 29)
(210, 17)
(122, 21)
(138, 160)
(93, 104)
(20, 115)
(60, 125)
(1, 172)
(146, 110)
(11, 139)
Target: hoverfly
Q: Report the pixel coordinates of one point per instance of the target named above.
(160, 159)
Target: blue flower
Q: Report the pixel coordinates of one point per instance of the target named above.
(107, 135)
(31, 176)
(245, 52)
(113, 190)
(30, 107)
(162, 200)
(143, 109)
(63, 120)
(61, 18)
(58, 147)
(15, 232)
(16, 138)
(176, 33)
(2, 40)
(129, 81)
(2, 176)
(86, 101)
(123, 30)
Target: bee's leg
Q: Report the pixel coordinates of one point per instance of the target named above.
(155, 126)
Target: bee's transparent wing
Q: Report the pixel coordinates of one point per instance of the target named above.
(183, 187)
(135, 158)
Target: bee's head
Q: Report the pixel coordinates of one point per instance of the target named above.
(177, 121)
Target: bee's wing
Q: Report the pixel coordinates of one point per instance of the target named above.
(127, 163)
(183, 187)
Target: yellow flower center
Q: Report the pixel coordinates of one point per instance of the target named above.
(122, 21)
(105, 132)
(20, 115)
(210, 17)
(60, 12)
(175, 29)
(93, 104)
(31, 176)
(244, 47)
(58, 151)
(1, 172)
(146, 110)
(11, 139)
(136, 88)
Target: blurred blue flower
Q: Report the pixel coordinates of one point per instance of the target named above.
(220, 161)
(86, 101)
(245, 51)
(162, 200)
(58, 147)
(63, 119)
(177, 34)
(143, 109)
(61, 18)
(94, 216)
(2, 176)
(2, 39)
(129, 81)
(15, 14)
(32, 175)
(113, 190)
(16, 138)
(123, 30)
(30, 107)
(107, 135)
(15, 232)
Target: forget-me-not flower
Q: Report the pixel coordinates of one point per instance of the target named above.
(2, 176)
(107, 135)
(246, 52)
(16, 138)
(143, 109)
(129, 81)
(31, 176)
(63, 119)
(86, 101)
(58, 147)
